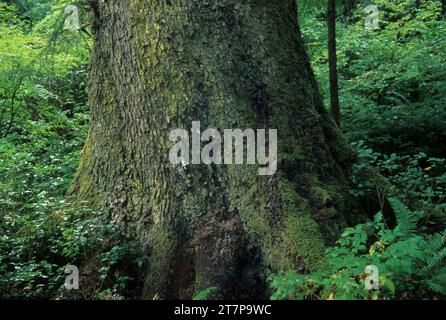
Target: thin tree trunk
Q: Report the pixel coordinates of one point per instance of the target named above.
(332, 61)
(158, 66)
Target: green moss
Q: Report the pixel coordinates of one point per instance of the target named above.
(83, 182)
(321, 196)
(163, 244)
(287, 234)
(237, 72)
(301, 233)
(253, 213)
(303, 239)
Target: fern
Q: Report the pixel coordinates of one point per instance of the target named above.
(411, 264)
(407, 220)
(203, 295)
(434, 263)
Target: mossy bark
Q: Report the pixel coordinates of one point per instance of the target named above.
(159, 65)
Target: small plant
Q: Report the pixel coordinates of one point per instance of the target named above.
(411, 265)
(204, 294)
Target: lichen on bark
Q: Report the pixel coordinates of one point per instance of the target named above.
(159, 65)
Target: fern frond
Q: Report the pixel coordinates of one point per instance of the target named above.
(407, 220)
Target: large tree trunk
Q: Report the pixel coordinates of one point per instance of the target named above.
(159, 65)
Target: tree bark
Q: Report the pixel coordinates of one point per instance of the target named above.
(333, 61)
(158, 66)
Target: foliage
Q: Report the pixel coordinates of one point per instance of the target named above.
(35, 247)
(411, 265)
(392, 82)
(203, 295)
(392, 79)
(43, 125)
(418, 180)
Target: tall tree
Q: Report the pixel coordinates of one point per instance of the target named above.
(159, 65)
(333, 61)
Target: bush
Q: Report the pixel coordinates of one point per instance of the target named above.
(411, 266)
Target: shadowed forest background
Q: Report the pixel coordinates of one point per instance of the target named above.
(392, 97)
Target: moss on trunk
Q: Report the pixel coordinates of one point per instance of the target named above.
(159, 65)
